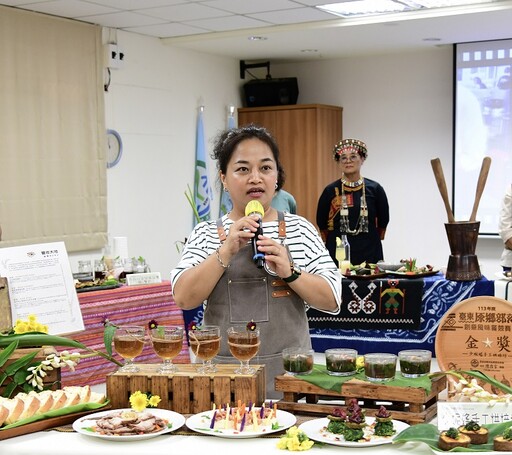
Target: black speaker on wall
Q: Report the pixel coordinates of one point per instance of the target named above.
(271, 92)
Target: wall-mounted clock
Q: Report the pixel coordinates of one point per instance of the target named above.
(114, 148)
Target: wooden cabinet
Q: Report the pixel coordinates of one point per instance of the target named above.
(306, 135)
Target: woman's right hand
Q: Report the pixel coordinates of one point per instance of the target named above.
(240, 233)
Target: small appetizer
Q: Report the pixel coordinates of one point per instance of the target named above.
(356, 422)
(452, 438)
(337, 421)
(383, 423)
(503, 443)
(477, 434)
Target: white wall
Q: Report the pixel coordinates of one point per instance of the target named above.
(153, 103)
(400, 105)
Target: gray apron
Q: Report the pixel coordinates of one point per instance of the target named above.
(245, 293)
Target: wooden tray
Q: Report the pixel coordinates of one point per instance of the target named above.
(411, 405)
(48, 423)
(473, 335)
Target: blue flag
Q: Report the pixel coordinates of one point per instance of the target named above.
(203, 194)
(226, 204)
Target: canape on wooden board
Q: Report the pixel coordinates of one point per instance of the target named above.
(503, 443)
(477, 434)
(452, 438)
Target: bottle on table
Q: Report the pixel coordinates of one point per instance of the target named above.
(343, 254)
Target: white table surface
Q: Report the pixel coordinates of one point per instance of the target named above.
(56, 443)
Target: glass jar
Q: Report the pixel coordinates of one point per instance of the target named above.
(341, 362)
(298, 361)
(414, 362)
(380, 367)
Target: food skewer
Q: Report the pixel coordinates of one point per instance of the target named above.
(441, 184)
(482, 178)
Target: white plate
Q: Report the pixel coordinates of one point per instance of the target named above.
(201, 424)
(316, 430)
(84, 424)
(501, 276)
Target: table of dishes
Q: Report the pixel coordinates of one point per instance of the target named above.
(125, 305)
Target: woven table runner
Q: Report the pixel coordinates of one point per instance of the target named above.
(375, 304)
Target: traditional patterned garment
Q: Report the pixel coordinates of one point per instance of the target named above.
(364, 246)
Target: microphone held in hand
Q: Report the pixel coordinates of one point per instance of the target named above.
(255, 208)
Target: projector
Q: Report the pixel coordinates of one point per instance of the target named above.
(271, 92)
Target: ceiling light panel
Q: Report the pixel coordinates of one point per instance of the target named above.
(364, 7)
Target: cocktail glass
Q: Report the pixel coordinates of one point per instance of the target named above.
(205, 344)
(167, 342)
(243, 344)
(128, 343)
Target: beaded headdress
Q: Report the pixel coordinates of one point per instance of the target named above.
(350, 145)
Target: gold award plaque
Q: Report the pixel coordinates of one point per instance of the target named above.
(476, 334)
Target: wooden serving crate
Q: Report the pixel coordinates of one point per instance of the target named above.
(50, 381)
(187, 391)
(411, 405)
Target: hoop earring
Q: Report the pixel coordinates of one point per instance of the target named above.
(275, 186)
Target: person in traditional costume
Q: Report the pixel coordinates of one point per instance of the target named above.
(354, 206)
(217, 266)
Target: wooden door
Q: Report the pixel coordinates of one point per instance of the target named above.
(306, 135)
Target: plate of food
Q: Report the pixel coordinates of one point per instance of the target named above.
(420, 273)
(241, 422)
(129, 425)
(370, 276)
(319, 430)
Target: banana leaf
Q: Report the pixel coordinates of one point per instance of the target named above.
(57, 413)
(429, 434)
(6, 353)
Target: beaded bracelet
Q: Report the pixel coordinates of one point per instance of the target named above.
(224, 266)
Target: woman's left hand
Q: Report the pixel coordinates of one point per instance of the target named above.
(276, 256)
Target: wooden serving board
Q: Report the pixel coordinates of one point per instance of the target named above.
(46, 424)
(475, 334)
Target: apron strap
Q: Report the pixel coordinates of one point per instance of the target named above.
(282, 226)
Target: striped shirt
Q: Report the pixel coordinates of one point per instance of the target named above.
(305, 245)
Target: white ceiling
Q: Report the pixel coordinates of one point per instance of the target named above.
(292, 30)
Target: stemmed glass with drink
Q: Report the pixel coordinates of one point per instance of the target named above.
(205, 344)
(128, 343)
(244, 343)
(167, 343)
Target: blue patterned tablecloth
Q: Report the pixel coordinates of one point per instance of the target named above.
(439, 295)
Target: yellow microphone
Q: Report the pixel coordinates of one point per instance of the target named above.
(255, 208)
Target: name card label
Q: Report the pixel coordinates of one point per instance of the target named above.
(134, 279)
(455, 414)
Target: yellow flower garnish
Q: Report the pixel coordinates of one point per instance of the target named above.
(154, 400)
(140, 401)
(294, 440)
(360, 362)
